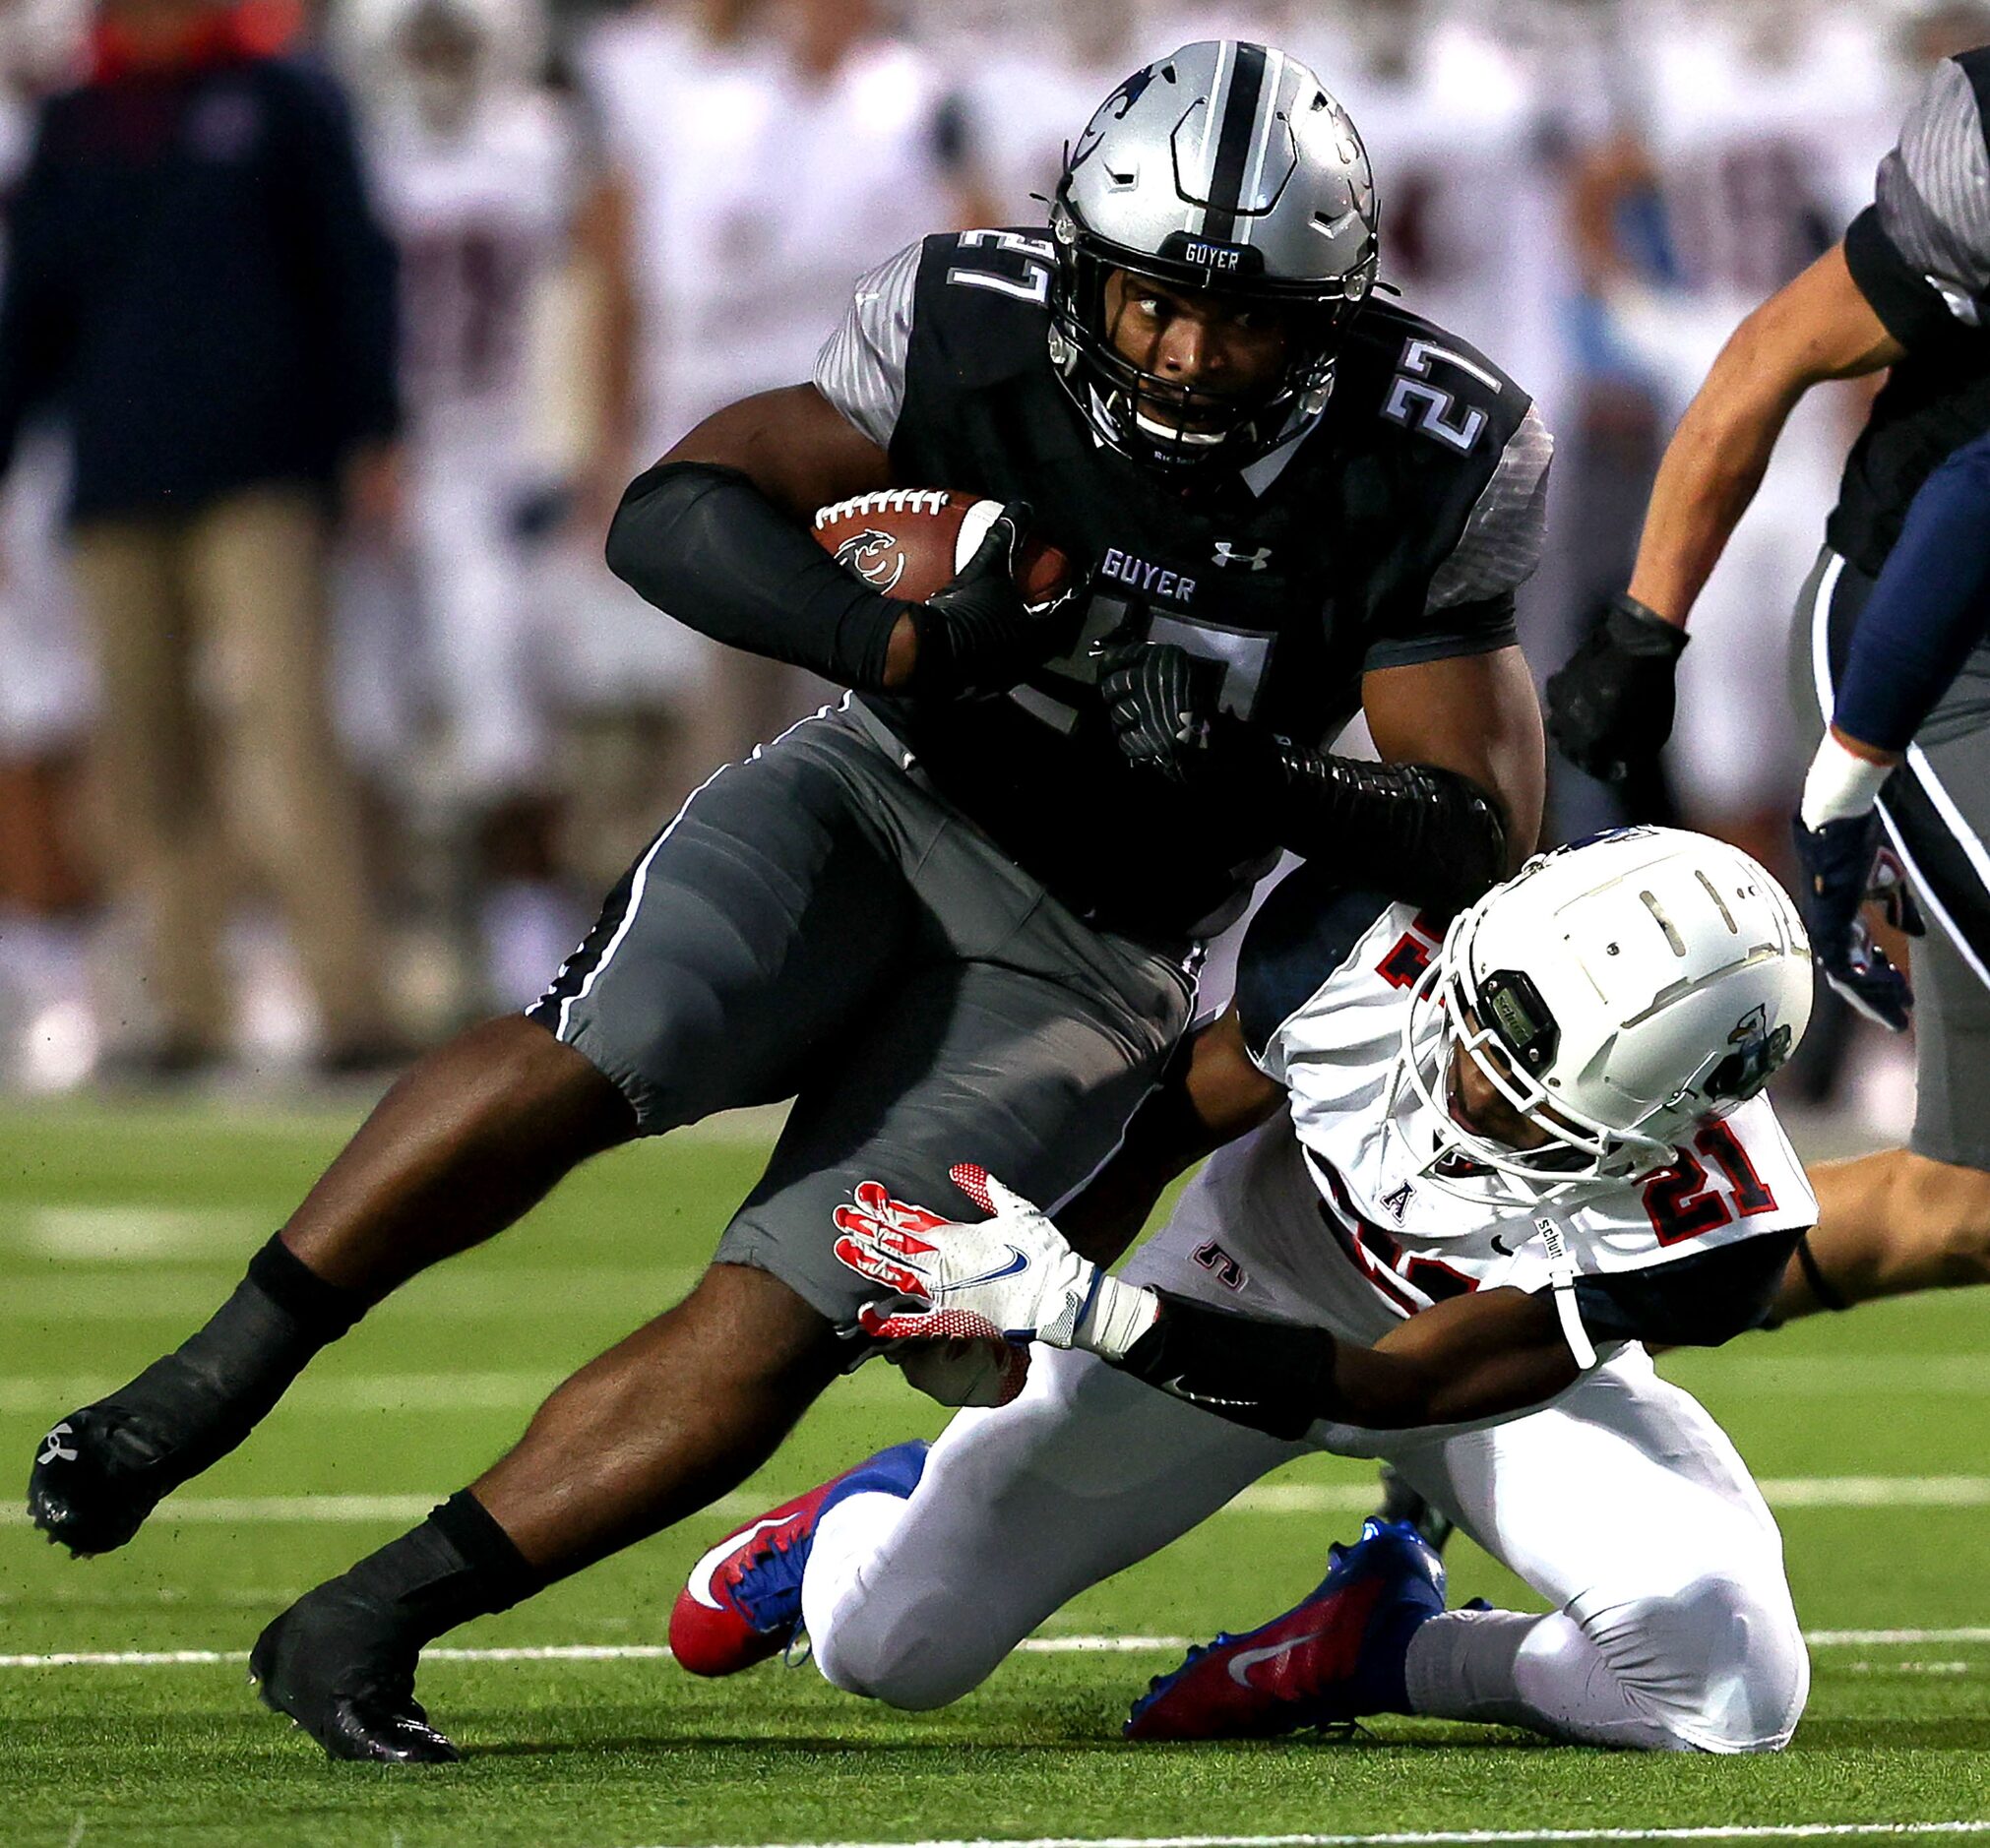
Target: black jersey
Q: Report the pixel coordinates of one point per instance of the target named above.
(1921, 255)
(1390, 530)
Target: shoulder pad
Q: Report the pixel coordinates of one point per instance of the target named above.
(983, 302)
(1389, 341)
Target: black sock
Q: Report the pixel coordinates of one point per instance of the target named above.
(212, 1390)
(458, 1564)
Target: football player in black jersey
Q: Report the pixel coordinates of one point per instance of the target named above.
(972, 896)
(1894, 662)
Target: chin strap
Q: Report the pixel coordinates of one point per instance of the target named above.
(1562, 1277)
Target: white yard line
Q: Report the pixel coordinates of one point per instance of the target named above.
(1030, 1646)
(1272, 1498)
(1443, 1838)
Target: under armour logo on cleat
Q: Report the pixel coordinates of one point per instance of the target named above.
(55, 1450)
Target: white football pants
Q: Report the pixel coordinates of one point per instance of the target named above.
(1624, 1505)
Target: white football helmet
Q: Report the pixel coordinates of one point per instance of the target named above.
(1615, 993)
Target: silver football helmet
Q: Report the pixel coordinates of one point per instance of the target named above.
(1617, 994)
(1225, 167)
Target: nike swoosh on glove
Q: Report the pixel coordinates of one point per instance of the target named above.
(1011, 1276)
(1846, 863)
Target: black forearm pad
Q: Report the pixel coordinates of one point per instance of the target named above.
(1272, 1376)
(1427, 837)
(703, 543)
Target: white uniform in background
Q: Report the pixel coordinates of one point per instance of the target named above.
(1764, 131)
(1621, 1502)
(760, 195)
(47, 691)
(757, 195)
(480, 214)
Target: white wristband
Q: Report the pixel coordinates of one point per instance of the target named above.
(1839, 784)
(1120, 1314)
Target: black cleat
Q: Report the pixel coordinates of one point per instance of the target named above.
(100, 1472)
(334, 1664)
(1401, 1502)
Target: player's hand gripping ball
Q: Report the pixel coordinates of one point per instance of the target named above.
(987, 603)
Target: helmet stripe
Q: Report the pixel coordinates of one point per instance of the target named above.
(1235, 140)
(1261, 141)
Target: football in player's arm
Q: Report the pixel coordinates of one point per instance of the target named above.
(967, 900)
(1893, 615)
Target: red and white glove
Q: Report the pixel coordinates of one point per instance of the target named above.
(1010, 1277)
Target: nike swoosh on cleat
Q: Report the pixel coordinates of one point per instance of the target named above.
(1242, 1665)
(701, 1574)
(1017, 1260)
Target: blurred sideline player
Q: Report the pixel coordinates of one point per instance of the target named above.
(1908, 291)
(48, 1036)
(1487, 1170)
(1754, 127)
(475, 171)
(758, 158)
(965, 903)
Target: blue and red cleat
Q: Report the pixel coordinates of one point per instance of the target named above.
(1334, 1656)
(743, 1600)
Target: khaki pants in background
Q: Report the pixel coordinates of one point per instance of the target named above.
(215, 724)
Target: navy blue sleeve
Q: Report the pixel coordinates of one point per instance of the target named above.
(1302, 933)
(1928, 610)
(1691, 1302)
(34, 326)
(351, 256)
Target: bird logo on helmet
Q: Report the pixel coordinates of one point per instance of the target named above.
(1225, 166)
(1616, 993)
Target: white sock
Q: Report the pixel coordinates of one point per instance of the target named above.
(1506, 1668)
(847, 1540)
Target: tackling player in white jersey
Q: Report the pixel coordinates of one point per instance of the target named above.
(1487, 1166)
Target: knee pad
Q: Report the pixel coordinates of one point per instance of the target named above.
(1719, 1665)
(909, 1656)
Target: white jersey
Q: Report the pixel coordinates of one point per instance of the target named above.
(481, 216)
(1330, 1218)
(758, 193)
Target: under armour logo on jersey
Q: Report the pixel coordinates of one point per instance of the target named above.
(1396, 1200)
(1228, 554)
(54, 1450)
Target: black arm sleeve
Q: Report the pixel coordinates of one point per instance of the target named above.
(1426, 836)
(1692, 1302)
(1273, 1375)
(703, 543)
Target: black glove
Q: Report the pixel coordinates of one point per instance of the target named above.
(1844, 864)
(1162, 701)
(1610, 705)
(977, 637)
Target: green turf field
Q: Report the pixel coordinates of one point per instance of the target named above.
(118, 1230)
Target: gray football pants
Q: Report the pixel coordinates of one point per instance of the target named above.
(816, 924)
(1936, 811)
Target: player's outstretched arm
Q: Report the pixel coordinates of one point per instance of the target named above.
(1481, 1356)
(1610, 706)
(1816, 327)
(1455, 805)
